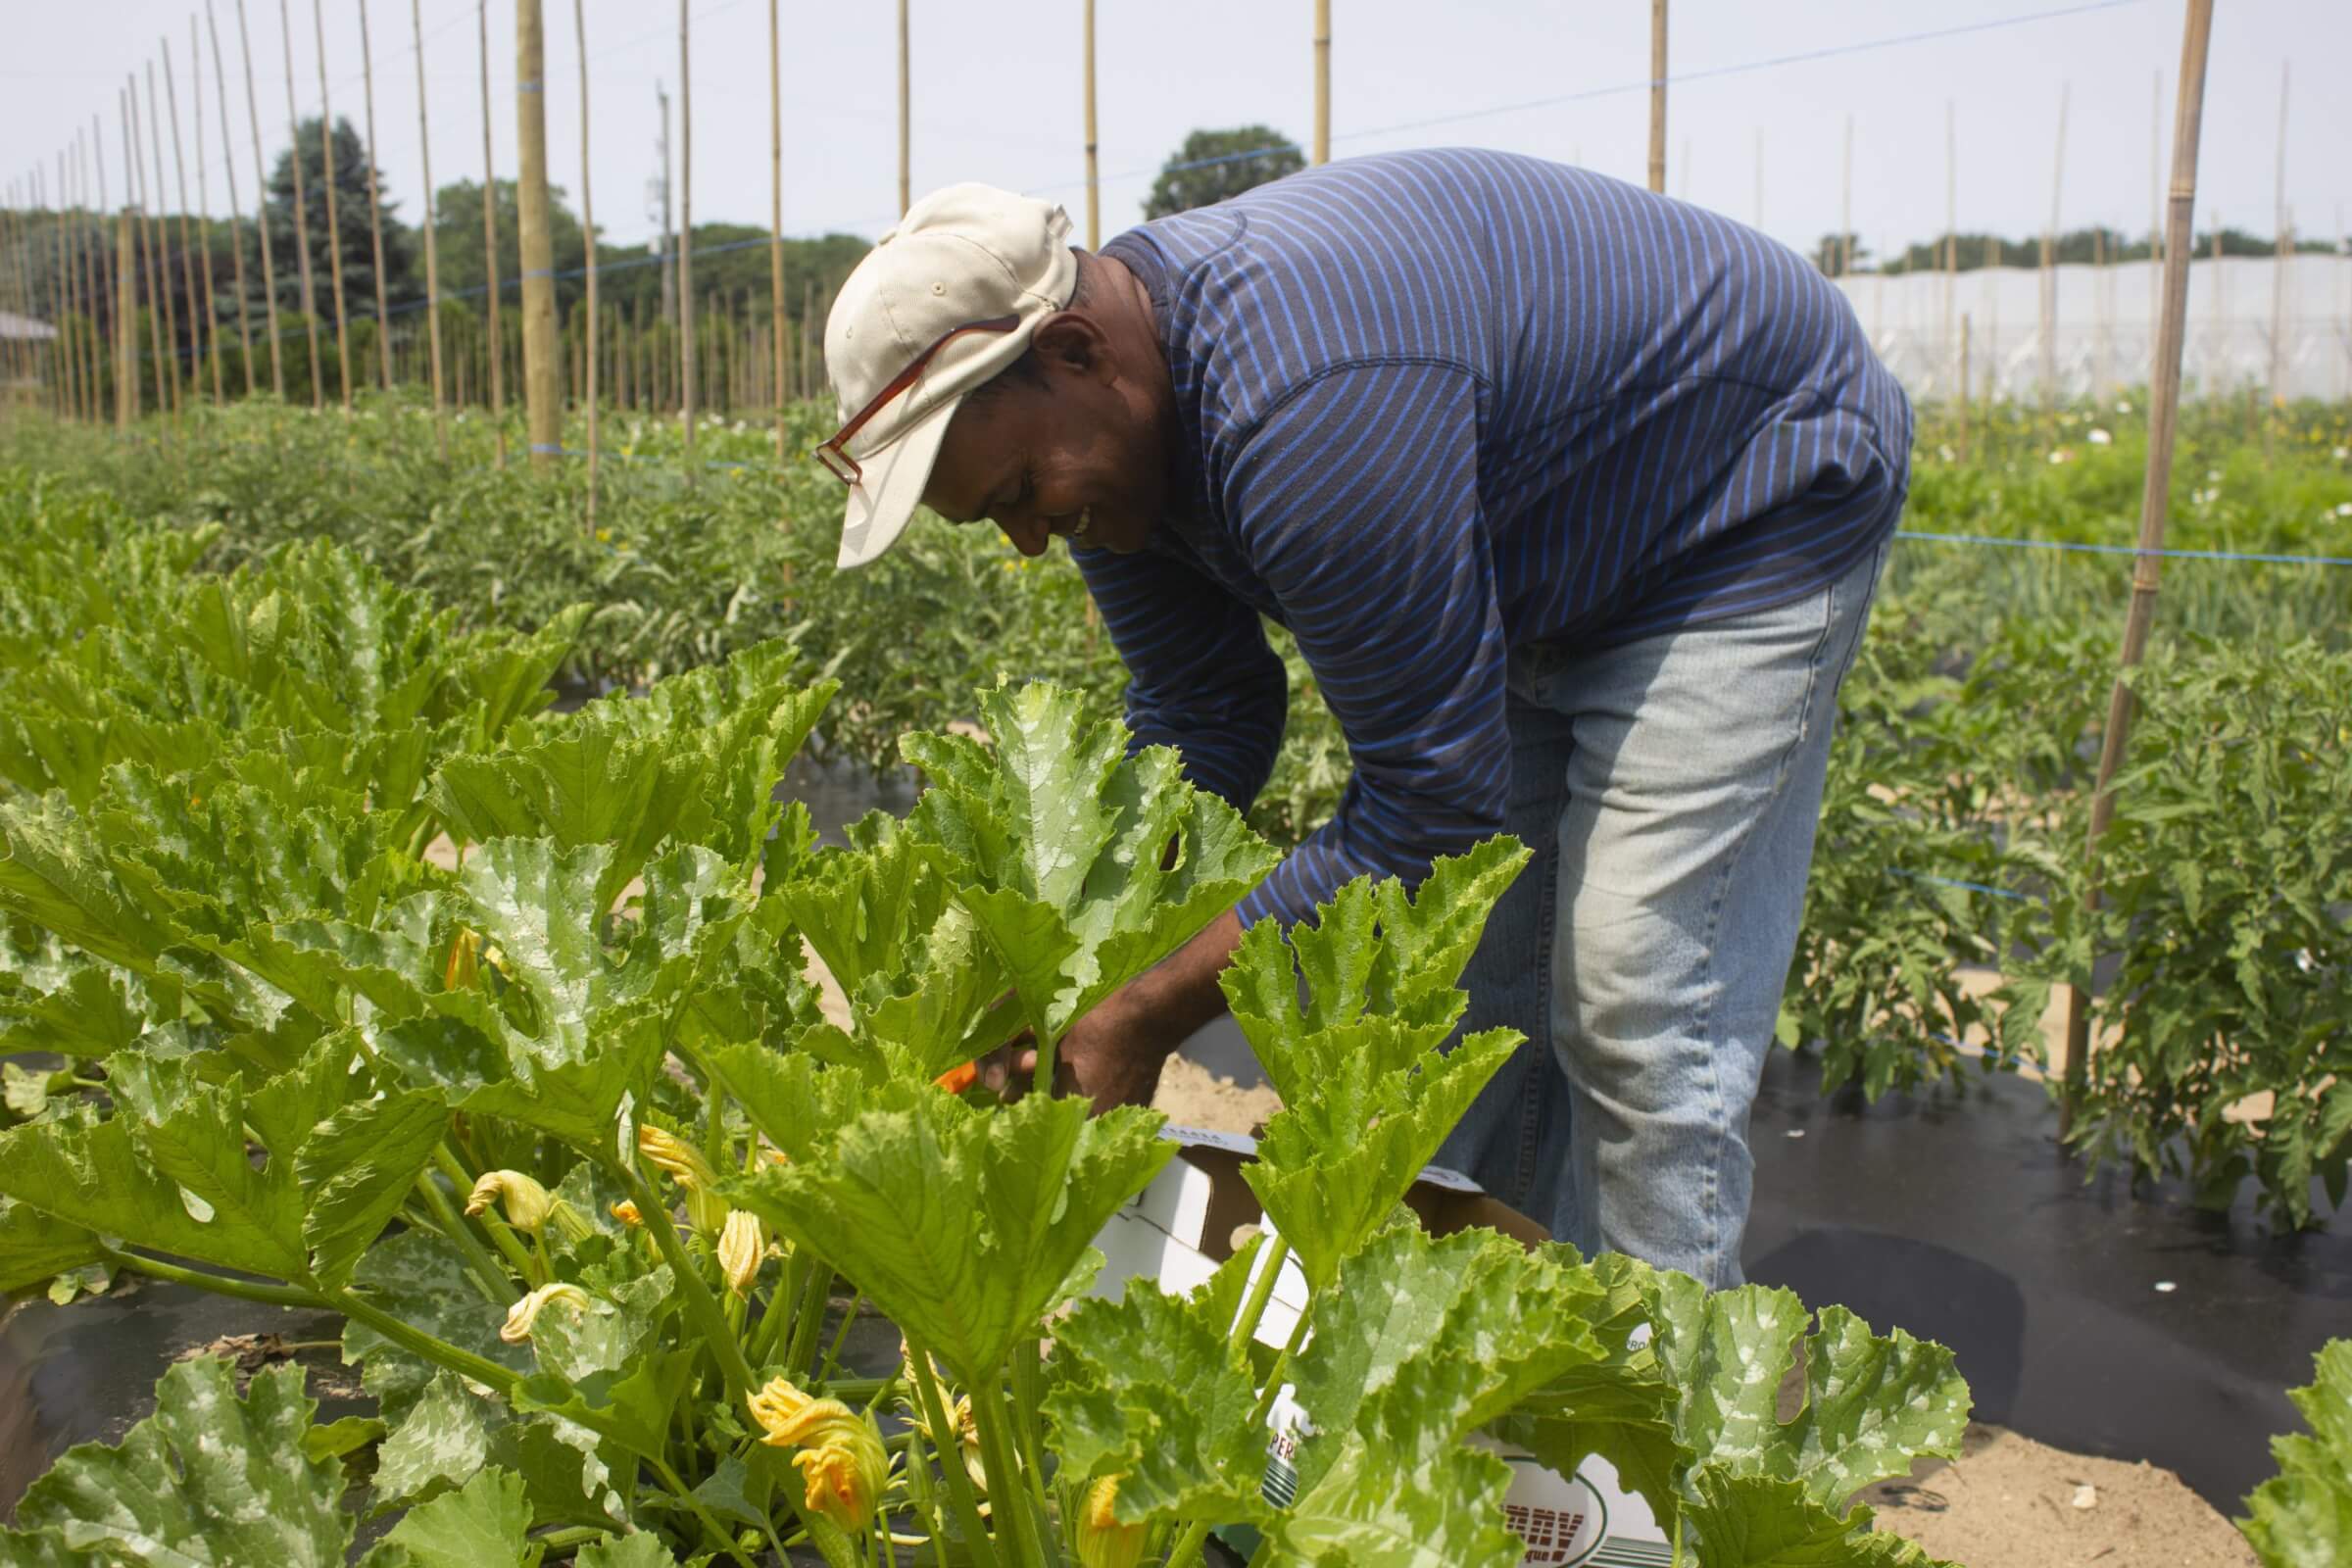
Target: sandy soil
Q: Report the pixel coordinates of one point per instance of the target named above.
(2011, 1502)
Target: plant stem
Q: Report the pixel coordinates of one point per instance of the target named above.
(452, 1224)
(567, 1540)
(1261, 1290)
(1007, 1489)
(218, 1283)
(772, 1321)
(700, 1307)
(465, 1363)
(678, 1489)
(1026, 1396)
(809, 1320)
(1282, 1363)
(448, 1166)
(950, 1460)
(841, 1337)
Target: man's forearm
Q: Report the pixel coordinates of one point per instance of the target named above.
(1181, 994)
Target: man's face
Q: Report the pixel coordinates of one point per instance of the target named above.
(1077, 454)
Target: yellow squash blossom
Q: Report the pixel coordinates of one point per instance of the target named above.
(626, 1212)
(527, 1203)
(741, 1244)
(525, 1313)
(1101, 1539)
(844, 1467)
(684, 1165)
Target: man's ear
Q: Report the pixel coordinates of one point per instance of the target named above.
(1071, 341)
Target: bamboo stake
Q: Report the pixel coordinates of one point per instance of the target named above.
(93, 236)
(1093, 171)
(166, 384)
(1951, 225)
(13, 353)
(2149, 566)
(375, 218)
(686, 207)
(1961, 445)
(146, 239)
(1846, 206)
(61, 303)
(542, 375)
(260, 219)
(1657, 98)
(906, 121)
(126, 289)
(775, 194)
(812, 367)
(432, 247)
(2282, 246)
(2049, 274)
(302, 213)
(579, 27)
(162, 222)
(496, 346)
(1759, 180)
(2104, 288)
(1322, 80)
(204, 196)
(334, 224)
(187, 264)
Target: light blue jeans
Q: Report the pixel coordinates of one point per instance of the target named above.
(1669, 788)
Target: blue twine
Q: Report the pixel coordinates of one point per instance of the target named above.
(2122, 550)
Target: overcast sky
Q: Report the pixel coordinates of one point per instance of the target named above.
(996, 97)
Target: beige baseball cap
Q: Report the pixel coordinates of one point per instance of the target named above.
(945, 301)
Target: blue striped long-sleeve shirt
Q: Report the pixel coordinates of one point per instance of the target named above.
(1438, 405)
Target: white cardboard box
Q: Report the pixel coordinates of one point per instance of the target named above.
(1180, 1228)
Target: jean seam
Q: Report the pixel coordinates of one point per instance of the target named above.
(1718, 1130)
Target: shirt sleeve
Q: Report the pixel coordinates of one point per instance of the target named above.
(1202, 678)
(1356, 502)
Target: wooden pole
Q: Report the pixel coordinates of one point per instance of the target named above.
(1094, 170)
(155, 331)
(686, 386)
(260, 219)
(204, 197)
(61, 302)
(2102, 286)
(2155, 223)
(187, 262)
(1951, 228)
(1961, 445)
(579, 27)
(302, 213)
(2282, 247)
(93, 237)
(2049, 274)
(1759, 180)
(2148, 564)
(126, 289)
(497, 342)
(1845, 207)
(775, 196)
(542, 379)
(1657, 98)
(375, 217)
(432, 246)
(906, 120)
(334, 224)
(160, 223)
(1322, 80)
(166, 383)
